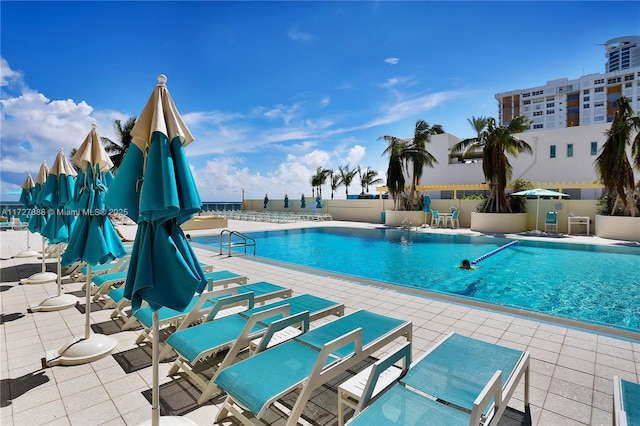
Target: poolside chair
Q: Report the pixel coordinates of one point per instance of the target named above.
(201, 305)
(215, 280)
(210, 339)
(305, 362)
(435, 219)
(453, 219)
(626, 402)
(551, 221)
(460, 381)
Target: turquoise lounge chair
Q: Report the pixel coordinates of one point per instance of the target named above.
(461, 381)
(214, 280)
(235, 332)
(305, 362)
(201, 305)
(626, 402)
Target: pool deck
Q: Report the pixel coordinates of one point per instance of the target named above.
(571, 368)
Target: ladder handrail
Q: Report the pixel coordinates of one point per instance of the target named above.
(247, 241)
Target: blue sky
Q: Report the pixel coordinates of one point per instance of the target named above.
(273, 90)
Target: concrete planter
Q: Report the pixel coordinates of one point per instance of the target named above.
(405, 218)
(499, 222)
(618, 227)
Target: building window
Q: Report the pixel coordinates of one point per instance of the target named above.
(599, 81)
(569, 150)
(528, 102)
(537, 113)
(537, 92)
(598, 104)
(550, 111)
(585, 106)
(598, 118)
(628, 77)
(599, 89)
(594, 148)
(585, 92)
(552, 151)
(586, 98)
(551, 104)
(526, 95)
(538, 126)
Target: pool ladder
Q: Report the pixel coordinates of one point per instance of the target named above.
(235, 239)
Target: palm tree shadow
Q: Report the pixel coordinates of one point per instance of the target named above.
(11, 389)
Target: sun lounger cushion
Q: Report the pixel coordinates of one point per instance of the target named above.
(255, 381)
(631, 401)
(461, 368)
(192, 342)
(99, 280)
(401, 406)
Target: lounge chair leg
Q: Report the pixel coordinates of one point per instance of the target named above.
(223, 411)
(174, 369)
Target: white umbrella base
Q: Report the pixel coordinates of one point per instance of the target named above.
(28, 253)
(81, 350)
(171, 421)
(56, 303)
(40, 278)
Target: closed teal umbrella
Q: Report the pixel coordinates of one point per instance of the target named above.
(57, 192)
(26, 199)
(157, 189)
(93, 240)
(39, 216)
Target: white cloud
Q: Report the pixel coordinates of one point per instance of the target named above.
(356, 154)
(392, 61)
(7, 75)
(297, 35)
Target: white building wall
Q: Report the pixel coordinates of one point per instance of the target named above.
(535, 167)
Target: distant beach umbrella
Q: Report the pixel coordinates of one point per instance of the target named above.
(286, 201)
(539, 192)
(303, 202)
(26, 199)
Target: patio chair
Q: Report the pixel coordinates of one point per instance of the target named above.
(17, 224)
(305, 362)
(551, 221)
(435, 218)
(626, 402)
(460, 381)
(201, 305)
(115, 298)
(453, 219)
(235, 332)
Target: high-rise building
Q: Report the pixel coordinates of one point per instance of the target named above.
(590, 99)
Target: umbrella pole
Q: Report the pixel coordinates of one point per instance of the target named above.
(537, 212)
(44, 266)
(155, 392)
(59, 270)
(87, 307)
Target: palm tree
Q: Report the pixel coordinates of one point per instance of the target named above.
(335, 183)
(613, 165)
(319, 179)
(395, 171)
(496, 142)
(410, 151)
(117, 150)
(368, 178)
(418, 155)
(346, 177)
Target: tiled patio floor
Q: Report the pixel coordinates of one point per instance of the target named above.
(571, 369)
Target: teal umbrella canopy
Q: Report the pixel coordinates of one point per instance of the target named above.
(94, 238)
(157, 191)
(58, 190)
(426, 206)
(39, 214)
(26, 197)
(286, 201)
(539, 192)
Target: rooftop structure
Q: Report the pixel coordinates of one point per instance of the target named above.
(590, 99)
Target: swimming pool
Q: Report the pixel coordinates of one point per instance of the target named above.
(581, 282)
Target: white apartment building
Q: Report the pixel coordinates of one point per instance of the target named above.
(570, 121)
(590, 99)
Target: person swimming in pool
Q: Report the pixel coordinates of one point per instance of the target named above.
(466, 265)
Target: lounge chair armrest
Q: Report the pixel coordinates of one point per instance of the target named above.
(230, 300)
(274, 327)
(404, 354)
(491, 391)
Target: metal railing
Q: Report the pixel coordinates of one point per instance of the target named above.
(234, 240)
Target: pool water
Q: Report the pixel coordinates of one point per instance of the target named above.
(582, 282)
